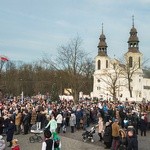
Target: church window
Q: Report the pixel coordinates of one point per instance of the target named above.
(130, 62)
(99, 64)
(139, 62)
(114, 65)
(98, 80)
(106, 63)
(134, 44)
(98, 88)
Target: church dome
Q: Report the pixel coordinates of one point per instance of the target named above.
(133, 30)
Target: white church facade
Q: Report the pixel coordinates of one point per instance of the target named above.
(115, 79)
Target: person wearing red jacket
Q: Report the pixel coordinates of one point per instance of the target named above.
(15, 145)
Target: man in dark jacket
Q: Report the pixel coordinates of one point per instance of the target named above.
(143, 126)
(10, 131)
(26, 121)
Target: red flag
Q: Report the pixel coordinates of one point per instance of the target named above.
(3, 58)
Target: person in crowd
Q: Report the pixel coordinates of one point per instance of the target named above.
(15, 145)
(33, 117)
(72, 122)
(100, 127)
(48, 143)
(135, 121)
(132, 142)
(64, 125)
(5, 121)
(84, 120)
(122, 140)
(52, 124)
(115, 135)
(57, 141)
(39, 119)
(1, 125)
(143, 126)
(26, 121)
(122, 117)
(59, 119)
(79, 116)
(2, 143)
(67, 118)
(107, 138)
(10, 131)
(18, 118)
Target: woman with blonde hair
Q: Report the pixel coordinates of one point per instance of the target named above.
(100, 127)
(15, 145)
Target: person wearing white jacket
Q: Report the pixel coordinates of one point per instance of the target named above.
(2, 143)
(59, 119)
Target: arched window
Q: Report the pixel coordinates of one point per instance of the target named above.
(139, 62)
(106, 63)
(130, 61)
(99, 65)
(134, 44)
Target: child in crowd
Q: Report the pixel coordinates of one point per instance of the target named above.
(48, 143)
(15, 145)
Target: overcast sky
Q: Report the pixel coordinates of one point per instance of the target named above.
(31, 28)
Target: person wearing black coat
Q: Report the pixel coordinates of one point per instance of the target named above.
(143, 126)
(10, 131)
(132, 142)
(26, 121)
(107, 137)
(1, 125)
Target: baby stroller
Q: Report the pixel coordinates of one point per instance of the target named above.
(88, 135)
(36, 134)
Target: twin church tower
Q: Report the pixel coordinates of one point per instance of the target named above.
(121, 80)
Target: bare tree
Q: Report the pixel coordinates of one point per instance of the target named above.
(72, 59)
(111, 78)
(129, 73)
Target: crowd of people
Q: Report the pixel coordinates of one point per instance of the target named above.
(118, 122)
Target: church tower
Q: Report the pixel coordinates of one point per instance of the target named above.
(102, 59)
(134, 64)
(101, 65)
(133, 56)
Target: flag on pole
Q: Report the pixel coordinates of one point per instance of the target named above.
(3, 58)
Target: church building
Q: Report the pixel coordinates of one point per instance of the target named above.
(120, 79)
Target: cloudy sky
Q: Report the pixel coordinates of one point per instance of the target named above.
(31, 28)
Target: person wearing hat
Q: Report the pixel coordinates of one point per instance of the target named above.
(107, 138)
(115, 135)
(2, 143)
